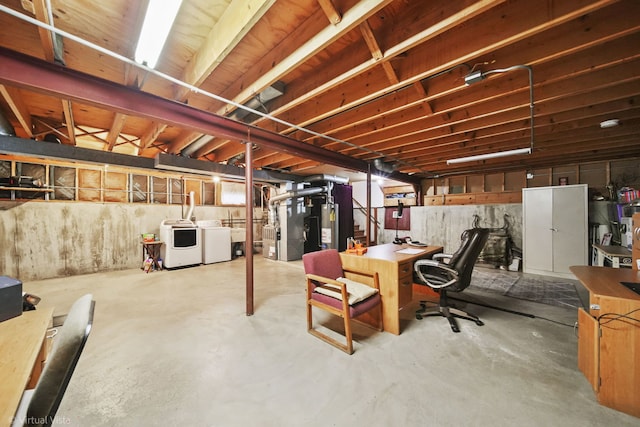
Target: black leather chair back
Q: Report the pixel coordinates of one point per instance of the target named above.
(464, 259)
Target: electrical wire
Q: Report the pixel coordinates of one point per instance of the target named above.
(506, 310)
(611, 317)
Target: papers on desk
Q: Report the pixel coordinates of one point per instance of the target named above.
(410, 251)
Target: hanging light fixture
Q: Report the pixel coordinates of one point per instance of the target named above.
(476, 76)
(489, 156)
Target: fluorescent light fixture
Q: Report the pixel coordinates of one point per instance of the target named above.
(155, 29)
(489, 156)
(609, 123)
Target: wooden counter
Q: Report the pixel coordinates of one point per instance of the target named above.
(22, 355)
(609, 337)
(395, 270)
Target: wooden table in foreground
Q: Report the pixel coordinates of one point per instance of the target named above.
(22, 355)
(609, 338)
(395, 271)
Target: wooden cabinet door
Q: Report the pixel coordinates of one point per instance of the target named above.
(588, 348)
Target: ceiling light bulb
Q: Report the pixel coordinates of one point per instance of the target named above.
(609, 123)
(473, 77)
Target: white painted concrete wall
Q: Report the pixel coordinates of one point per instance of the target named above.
(443, 225)
(40, 240)
(359, 190)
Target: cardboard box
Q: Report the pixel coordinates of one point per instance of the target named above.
(10, 298)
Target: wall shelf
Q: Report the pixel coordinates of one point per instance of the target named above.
(474, 198)
(403, 193)
(26, 189)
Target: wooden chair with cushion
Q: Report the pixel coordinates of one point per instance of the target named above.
(39, 406)
(329, 290)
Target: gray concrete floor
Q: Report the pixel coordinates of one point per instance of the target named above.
(175, 348)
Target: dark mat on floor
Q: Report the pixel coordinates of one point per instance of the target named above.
(542, 289)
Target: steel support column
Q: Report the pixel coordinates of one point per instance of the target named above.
(248, 242)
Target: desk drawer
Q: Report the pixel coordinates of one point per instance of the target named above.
(405, 283)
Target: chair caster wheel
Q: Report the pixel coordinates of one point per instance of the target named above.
(418, 317)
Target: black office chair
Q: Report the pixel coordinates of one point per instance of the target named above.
(454, 275)
(39, 406)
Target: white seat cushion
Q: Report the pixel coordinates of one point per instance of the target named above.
(355, 290)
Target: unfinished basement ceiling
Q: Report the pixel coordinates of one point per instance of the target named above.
(382, 79)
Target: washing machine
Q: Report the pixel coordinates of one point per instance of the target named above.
(216, 241)
(182, 246)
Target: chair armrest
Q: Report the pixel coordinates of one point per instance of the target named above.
(314, 277)
(322, 279)
(438, 266)
(428, 262)
(441, 256)
(373, 275)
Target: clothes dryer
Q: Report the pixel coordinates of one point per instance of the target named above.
(216, 241)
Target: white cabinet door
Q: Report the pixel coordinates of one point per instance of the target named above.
(570, 225)
(537, 228)
(555, 229)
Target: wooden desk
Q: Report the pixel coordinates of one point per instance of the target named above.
(22, 355)
(619, 256)
(608, 345)
(395, 271)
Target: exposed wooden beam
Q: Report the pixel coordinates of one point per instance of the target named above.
(353, 17)
(31, 73)
(211, 146)
(370, 40)
(237, 20)
(330, 10)
(490, 101)
(151, 134)
(376, 51)
(117, 124)
(327, 90)
(133, 77)
(69, 121)
(387, 122)
(182, 141)
(239, 17)
(46, 37)
(14, 99)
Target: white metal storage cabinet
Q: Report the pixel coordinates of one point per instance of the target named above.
(555, 229)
